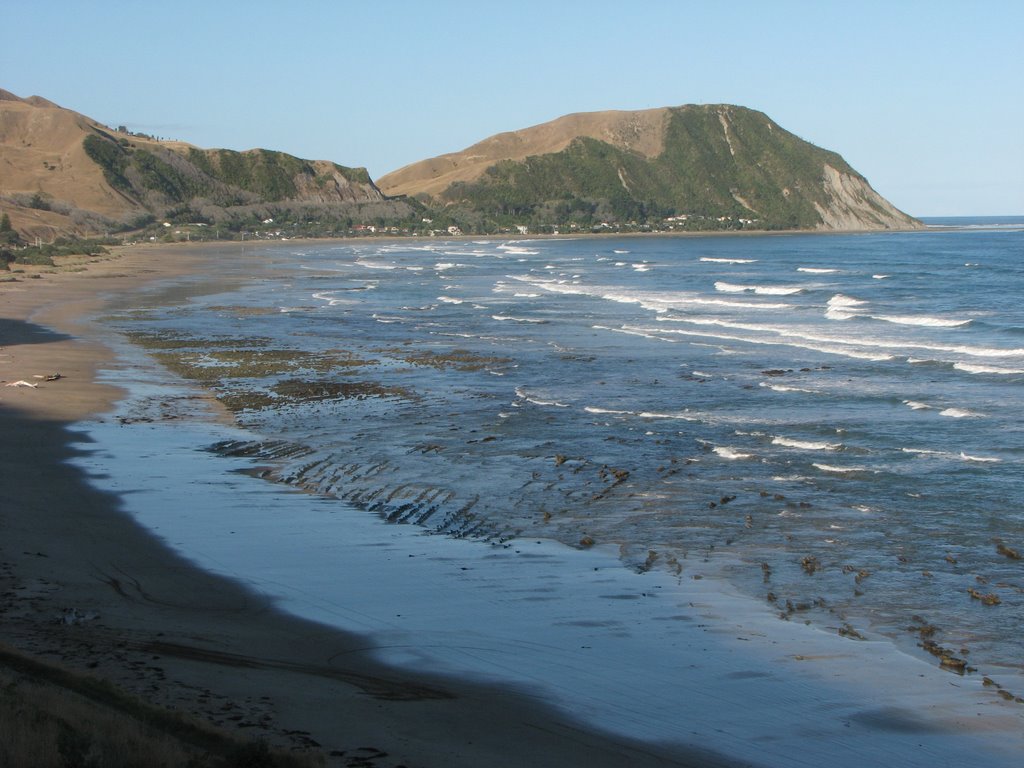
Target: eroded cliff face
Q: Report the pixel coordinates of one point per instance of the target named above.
(330, 185)
(856, 206)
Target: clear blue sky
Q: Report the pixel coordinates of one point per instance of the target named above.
(923, 98)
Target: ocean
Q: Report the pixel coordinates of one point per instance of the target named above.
(831, 424)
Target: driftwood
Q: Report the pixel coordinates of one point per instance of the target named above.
(23, 383)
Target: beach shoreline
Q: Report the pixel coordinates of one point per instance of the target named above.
(226, 651)
(87, 587)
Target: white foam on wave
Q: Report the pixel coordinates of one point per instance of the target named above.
(441, 266)
(726, 304)
(980, 459)
(837, 314)
(828, 348)
(517, 250)
(913, 404)
(839, 300)
(761, 290)
(619, 251)
(727, 261)
(961, 413)
(841, 307)
(816, 270)
(839, 470)
(962, 456)
(786, 388)
(511, 319)
(922, 320)
(731, 454)
(609, 411)
(328, 297)
(681, 415)
(458, 253)
(655, 301)
(880, 277)
(806, 445)
(401, 248)
(729, 287)
(887, 349)
(450, 300)
(372, 265)
(980, 369)
(632, 332)
(522, 394)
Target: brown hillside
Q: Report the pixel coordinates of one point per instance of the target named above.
(62, 173)
(641, 131)
(41, 153)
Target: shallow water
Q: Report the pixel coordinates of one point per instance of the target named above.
(836, 420)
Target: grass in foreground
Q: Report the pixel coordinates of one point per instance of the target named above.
(51, 717)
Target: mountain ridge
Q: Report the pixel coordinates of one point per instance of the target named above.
(62, 173)
(693, 167)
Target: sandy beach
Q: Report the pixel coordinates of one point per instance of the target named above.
(85, 583)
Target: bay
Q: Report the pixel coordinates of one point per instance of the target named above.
(831, 423)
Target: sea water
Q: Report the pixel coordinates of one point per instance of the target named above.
(831, 422)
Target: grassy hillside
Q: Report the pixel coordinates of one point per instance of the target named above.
(66, 175)
(695, 167)
(224, 187)
(719, 167)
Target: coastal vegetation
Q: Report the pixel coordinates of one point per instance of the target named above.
(44, 253)
(238, 193)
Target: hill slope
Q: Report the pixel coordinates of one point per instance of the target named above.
(63, 173)
(715, 165)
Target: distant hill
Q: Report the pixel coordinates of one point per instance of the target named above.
(696, 166)
(62, 173)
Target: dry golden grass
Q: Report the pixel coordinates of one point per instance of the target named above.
(642, 131)
(53, 718)
(41, 151)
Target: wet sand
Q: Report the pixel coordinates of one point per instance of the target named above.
(82, 584)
